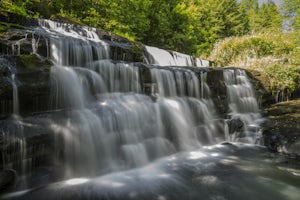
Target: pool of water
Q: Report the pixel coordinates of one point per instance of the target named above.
(225, 171)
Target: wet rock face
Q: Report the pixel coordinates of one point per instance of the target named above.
(215, 80)
(17, 20)
(32, 77)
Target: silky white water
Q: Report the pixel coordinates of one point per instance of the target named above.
(242, 102)
(162, 57)
(109, 119)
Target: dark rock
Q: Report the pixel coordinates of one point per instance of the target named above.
(17, 19)
(284, 117)
(125, 52)
(39, 139)
(283, 130)
(227, 144)
(215, 81)
(235, 125)
(272, 141)
(7, 180)
(32, 76)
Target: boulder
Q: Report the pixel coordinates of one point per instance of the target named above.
(235, 125)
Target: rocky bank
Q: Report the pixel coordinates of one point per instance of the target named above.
(284, 126)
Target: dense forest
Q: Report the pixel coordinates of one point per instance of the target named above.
(187, 26)
(242, 33)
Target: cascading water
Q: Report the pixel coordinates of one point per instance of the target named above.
(242, 103)
(193, 116)
(162, 57)
(144, 144)
(109, 121)
(13, 134)
(118, 77)
(72, 45)
(15, 95)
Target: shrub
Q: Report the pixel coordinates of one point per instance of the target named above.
(276, 55)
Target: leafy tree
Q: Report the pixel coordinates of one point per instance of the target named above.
(291, 10)
(189, 26)
(250, 9)
(218, 19)
(164, 19)
(13, 6)
(269, 16)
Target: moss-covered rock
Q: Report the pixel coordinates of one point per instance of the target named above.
(285, 116)
(262, 87)
(16, 19)
(285, 121)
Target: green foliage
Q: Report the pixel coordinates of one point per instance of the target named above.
(283, 77)
(29, 61)
(265, 17)
(3, 27)
(276, 55)
(227, 20)
(296, 20)
(234, 49)
(290, 7)
(191, 27)
(13, 6)
(269, 17)
(291, 10)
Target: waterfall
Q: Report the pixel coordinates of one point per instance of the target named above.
(162, 57)
(72, 45)
(12, 135)
(15, 95)
(103, 115)
(193, 117)
(242, 102)
(118, 77)
(109, 118)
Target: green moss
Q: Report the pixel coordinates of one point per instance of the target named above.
(283, 76)
(32, 62)
(285, 117)
(138, 51)
(4, 27)
(66, 19)
(29, 61)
